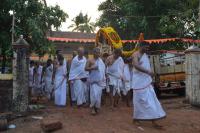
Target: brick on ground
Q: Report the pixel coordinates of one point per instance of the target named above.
(49, 125)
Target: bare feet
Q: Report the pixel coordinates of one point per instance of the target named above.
(115, 105)
(128, 104)
(79, 106)
(93, 112)
(137, 123)
(112, 108)
(156, 125)
(96, 110)
(86, 105)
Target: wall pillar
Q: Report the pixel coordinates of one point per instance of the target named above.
(192, 71)
(20, 75)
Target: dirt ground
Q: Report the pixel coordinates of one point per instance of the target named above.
(181, 118)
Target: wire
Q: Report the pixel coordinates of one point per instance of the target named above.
(150, 16)
(135, 16)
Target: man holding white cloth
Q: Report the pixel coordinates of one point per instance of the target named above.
(78, 76)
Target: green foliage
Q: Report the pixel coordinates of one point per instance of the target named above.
(82, 24)
(5, 22)
(155, 18)
(33, 20)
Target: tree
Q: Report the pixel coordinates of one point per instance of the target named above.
(33, 20)
(156, 18)
(82, 24)
(5, 35)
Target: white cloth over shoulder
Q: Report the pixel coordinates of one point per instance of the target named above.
(141, 80)
(77, 69)
(146, 104)
(61, 85)
(97, 83)
(77, 72)
(115, 73)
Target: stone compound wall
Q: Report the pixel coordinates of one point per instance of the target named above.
(6, 91)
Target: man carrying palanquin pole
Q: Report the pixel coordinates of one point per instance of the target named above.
(114, 71)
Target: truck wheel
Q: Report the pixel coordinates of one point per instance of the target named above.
(181, 93)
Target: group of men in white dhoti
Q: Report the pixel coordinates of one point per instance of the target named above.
(49, 80)
(89, 77)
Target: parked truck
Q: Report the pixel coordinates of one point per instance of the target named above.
(170, 74)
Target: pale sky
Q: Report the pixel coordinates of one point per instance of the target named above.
(74, 7)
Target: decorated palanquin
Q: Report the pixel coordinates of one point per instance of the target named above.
(108, 39)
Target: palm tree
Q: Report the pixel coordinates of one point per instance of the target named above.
(82, 24)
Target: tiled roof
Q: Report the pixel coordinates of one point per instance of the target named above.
(72, 35)
(58, 39)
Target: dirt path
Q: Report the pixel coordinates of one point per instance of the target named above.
(181, 118)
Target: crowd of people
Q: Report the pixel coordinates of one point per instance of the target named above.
(87, 81)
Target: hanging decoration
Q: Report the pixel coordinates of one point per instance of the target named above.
(109, 37)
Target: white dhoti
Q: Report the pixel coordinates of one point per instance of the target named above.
(126, 87)
(31, 70)
(115, 85)
(48, 87)
(87, 92)
(146, 105)
(126, 80)
(79, 91)
(95, 95)
(60, 92)
(97, 82)
(115, 74)
(48, 81)
(77, 72)
(73, 97)
(37, 85)
(61, 85)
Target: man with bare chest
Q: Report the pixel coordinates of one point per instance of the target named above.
(96, 80)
